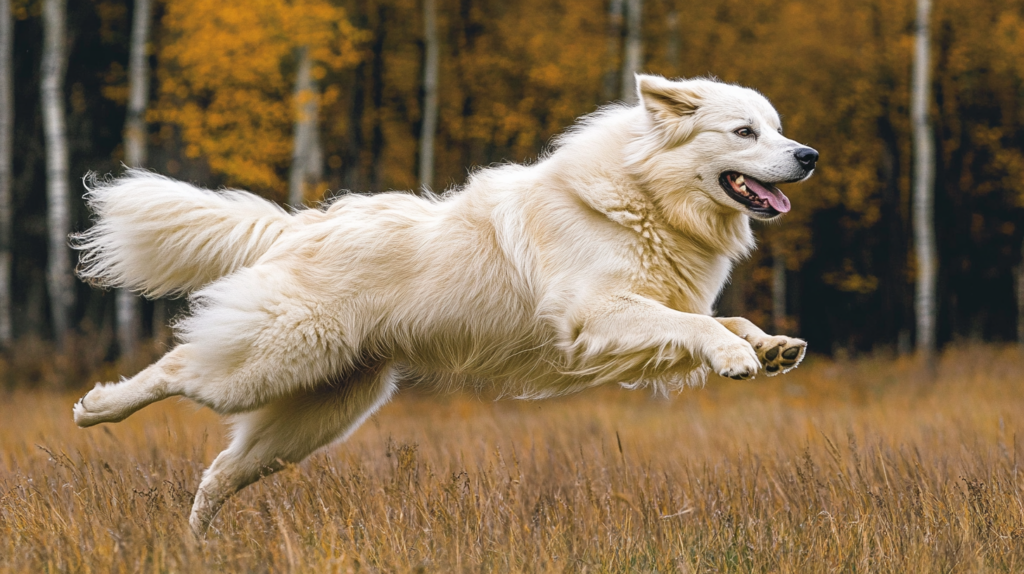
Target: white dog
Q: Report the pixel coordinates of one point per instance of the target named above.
(600, 263)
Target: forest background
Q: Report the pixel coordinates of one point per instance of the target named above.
(300, 100)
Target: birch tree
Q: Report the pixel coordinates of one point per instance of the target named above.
(307, 156)
(924, 179)
(6, 167)
(430, 81)
(632, 58)
(129, 323)
(60, 283)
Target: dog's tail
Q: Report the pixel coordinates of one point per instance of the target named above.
(163, 237)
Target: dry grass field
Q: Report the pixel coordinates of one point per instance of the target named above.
(856, 466)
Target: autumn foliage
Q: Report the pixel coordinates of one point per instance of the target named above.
(229, 73)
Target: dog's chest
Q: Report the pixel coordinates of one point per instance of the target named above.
(668, 266)
(679, 274)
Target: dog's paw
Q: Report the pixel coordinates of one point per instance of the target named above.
(735, 360)
(97, 406)
(778, 354)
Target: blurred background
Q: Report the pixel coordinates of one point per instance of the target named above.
(298, 100)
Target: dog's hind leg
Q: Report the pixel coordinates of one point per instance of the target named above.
(113, 402)
(287, 431)
(251, 340)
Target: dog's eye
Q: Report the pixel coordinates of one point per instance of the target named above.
(744, 132)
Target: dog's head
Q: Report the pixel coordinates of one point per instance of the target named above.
(718, 139)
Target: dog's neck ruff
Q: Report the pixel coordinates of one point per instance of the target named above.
(704, 224)
(608, 168)
(686, 243)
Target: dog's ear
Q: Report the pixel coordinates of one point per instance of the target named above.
(666, 100)
(671, 106)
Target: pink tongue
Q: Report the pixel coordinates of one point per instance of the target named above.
(773, 196)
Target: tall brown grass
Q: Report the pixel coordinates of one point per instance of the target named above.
(838, 467)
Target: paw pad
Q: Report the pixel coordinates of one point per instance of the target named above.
(781, 354)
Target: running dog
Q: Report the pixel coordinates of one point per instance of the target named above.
(599, 263)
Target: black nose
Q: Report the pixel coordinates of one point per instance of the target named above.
(807, 157)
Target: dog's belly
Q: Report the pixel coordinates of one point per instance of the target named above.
(513, 354)
(507, 349)
(523, 374)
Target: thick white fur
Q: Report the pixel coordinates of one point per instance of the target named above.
(600, 263)
(146, 239)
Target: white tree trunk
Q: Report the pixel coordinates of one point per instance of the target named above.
(924, 183)
(60, 282)
(779, 294)
(614, 35)
(633, 56)
(6, 167)
(129, 320)
(138, 87)
(431, 67)
(307, 157)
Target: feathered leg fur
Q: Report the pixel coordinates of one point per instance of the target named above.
(287, 431)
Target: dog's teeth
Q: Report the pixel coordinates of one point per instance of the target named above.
(743, 186)
(739, 181)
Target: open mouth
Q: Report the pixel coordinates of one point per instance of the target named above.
(760, 197)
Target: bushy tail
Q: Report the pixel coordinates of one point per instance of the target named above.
(163, 237)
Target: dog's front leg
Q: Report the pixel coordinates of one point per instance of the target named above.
(778, 354)
(628, 337)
